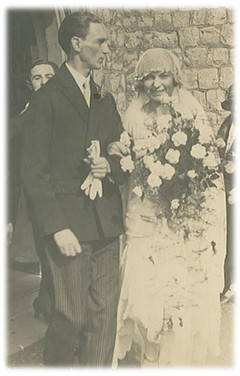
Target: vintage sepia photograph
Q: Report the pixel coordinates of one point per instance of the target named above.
(121, 187)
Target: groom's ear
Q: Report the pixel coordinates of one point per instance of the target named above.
(76, 43)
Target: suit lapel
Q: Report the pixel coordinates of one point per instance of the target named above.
(94, 113)
(70, 89)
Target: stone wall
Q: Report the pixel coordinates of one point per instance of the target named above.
(201, 38)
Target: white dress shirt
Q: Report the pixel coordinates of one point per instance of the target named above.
(82, 82)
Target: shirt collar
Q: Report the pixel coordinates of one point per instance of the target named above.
(78, 77)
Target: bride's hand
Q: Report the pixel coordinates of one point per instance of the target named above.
(117, 148)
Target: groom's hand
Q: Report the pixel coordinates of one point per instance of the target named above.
(67, 242)
(100, 167)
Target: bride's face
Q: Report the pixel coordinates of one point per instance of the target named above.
(157, 85)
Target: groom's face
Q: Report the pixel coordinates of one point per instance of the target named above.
(157, 85)
(94, 47)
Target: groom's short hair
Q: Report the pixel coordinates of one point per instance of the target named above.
(75, 25)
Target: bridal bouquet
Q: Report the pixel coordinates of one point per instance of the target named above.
(174, 165)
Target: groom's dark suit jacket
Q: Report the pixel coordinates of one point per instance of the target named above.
(58, 129)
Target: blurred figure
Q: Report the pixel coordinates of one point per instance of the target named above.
(25, 250)
(227, 132)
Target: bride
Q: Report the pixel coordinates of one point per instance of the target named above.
(169, 303)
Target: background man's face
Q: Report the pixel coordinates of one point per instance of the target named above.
(39, 75)
(94, 47)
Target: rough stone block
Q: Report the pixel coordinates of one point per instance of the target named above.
(216, 16)
(218, 57)
(120, 38)
(181, 19)
(231, 15)
(199, 17)
(146, 20)
(189, 78)
(130, 60)
(114, 82)
(129, 20)
(201, 97)
(133, 40)
(214, 99)
(163, 21)
(158, 39)
(189, 36)
(208, 78)
(232, 56)
(226, 77)
(227, 34)
(210, 36)
(197, 56)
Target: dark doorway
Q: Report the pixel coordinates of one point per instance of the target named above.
(21, 44)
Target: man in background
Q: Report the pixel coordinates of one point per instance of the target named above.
(24, 250)
(227, 132)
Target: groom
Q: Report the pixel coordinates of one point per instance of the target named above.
(80, 234)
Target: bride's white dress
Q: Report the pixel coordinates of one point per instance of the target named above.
(171, 286)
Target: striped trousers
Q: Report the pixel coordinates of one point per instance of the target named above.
(85, 293)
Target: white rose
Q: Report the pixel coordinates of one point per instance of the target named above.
(125, 139)
(179, 138)
(153, 143)
(198, 151)
(140, 147)
(191, 174)
(175, 204)
(154, 181)
(138, 191)
(156, 168)
(230, 167)
(220, 143)
(167, 171)
(173, 156)
(127, 163)
(211, 160)
(148, 160)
